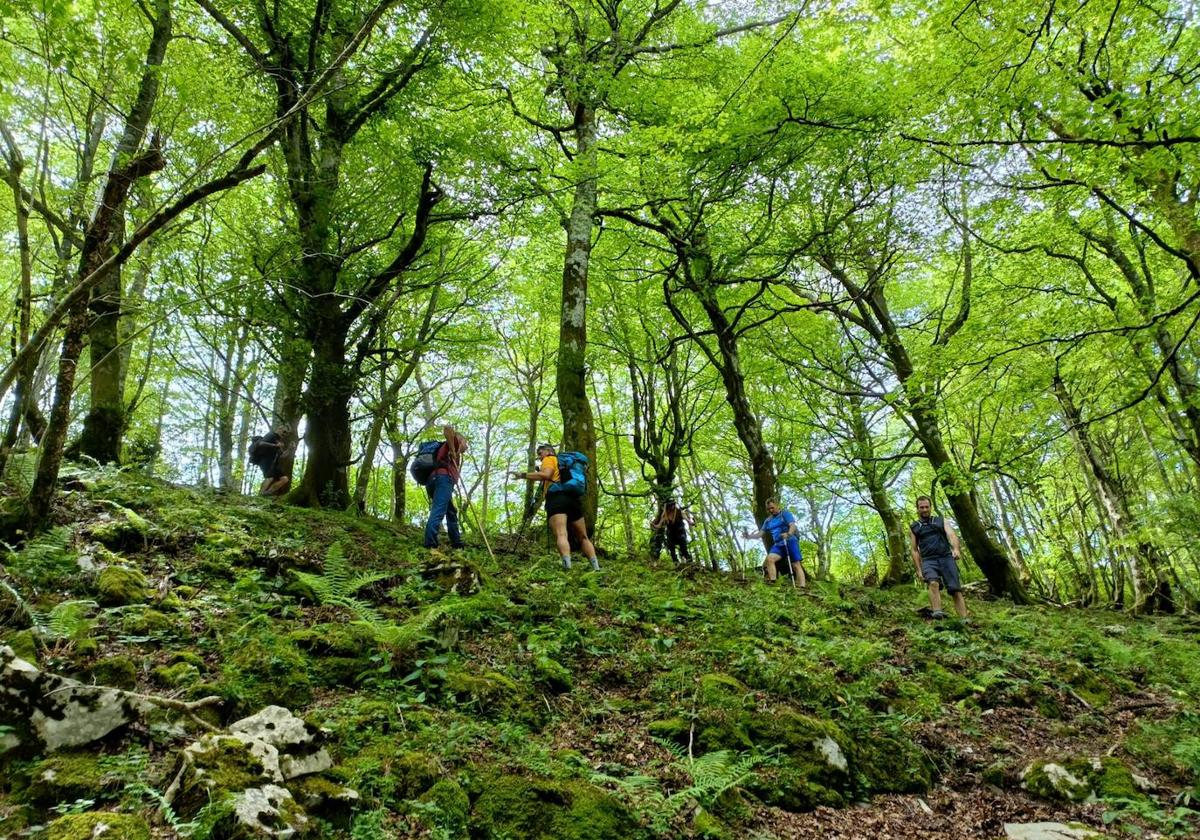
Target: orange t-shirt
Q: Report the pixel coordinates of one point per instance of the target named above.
(551, 461)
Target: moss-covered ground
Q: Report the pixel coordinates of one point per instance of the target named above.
(638, 702)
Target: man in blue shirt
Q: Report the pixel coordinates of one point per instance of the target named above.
(780, 526)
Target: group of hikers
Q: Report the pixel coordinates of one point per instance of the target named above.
(437, 467)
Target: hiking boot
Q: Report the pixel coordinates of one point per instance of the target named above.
(937, 614)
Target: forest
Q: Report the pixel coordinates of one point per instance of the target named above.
(837, 254)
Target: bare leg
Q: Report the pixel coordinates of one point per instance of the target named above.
(558, 524)
(960, 605)
(935, 596)
(772, 559)
(798, 571)
(579, 526)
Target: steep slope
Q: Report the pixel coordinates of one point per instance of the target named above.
(462, 697)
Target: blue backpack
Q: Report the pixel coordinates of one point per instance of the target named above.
(572, 474)
(426, 462)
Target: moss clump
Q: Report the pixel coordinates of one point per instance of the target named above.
(891, 764)
(344, 650)
(98, 824)
(391, 774)
(725, 692)
(24, 645)
(116, 671)
(179, 675)
(452, 806)
(262, 668)
(148, 622)
(491, 690)
(66, 777)
(118, 586)
(552, 674)
(947, 684)
(540, 809)
(671, 728)
(1087, 685)
(124, 529)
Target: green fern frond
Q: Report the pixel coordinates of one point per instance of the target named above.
(71, 620)
(404, 638)
(336, 585)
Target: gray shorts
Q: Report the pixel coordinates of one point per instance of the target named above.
(943, 567)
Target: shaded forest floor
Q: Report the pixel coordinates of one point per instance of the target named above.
(465, 697)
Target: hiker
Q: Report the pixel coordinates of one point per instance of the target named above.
(440, 484)
(935, 553)
(780, 526)
(269, 453)
(672, 523)
(564, 499)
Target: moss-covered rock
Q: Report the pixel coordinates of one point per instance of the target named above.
(1053, 781)
(179, 675)
(122, 528)
(148, 622)
(491, 690)
(540, 809)
(118, 586)
(68, 776)
(115, 671)
(389, 773)
(891, 764)
(263, 668)
(98, 824)
(215, 768)
(452, 807)
(325, 799)
(344, 651)
(1080, 780)
(724, 691)
(24, 645)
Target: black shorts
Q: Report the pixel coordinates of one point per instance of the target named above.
(566, 503)
(272, 468)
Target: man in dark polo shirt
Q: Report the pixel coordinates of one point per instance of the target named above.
(935, 553)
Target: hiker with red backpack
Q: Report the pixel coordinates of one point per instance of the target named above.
(437, 467)
(566, 479)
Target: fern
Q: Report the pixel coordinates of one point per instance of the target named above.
(712, 774)
(46, 558)
(336, 586)
(404, 638)
(69, 621)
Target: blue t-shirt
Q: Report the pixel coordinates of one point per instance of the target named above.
(777, 525)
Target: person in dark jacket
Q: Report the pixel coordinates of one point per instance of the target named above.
(269, 453)
(935, 552)
(673, 522)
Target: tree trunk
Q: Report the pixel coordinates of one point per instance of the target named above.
(1152, 591)
(579, 431)
(893, 528)
(105, 422)
(41, 495)
(326, 480)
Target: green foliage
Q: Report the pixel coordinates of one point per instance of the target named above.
(710, 776)
(46, 560)
(96, 824)
(338, 583)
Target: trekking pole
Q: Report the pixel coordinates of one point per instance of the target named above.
(468, 506)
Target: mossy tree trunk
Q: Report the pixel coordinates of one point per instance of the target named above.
(99, 243)
(105, 422)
